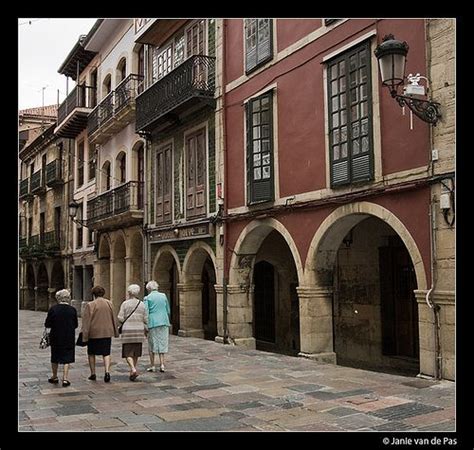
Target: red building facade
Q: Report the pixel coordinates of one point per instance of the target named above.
(326, 193)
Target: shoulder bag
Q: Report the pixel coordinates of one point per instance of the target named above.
(121, 326)
(45, 342)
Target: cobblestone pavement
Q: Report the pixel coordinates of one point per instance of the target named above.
(212, 387)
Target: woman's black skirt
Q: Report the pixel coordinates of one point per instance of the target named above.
(99, 346)
(61, 355)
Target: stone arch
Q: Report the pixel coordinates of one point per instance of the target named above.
(194, 260)
(323, 248)
(249, 242)
(57, 276)
(102, 264)
(167, 272)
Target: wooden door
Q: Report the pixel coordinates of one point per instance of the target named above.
(163, 184)
(196, 170)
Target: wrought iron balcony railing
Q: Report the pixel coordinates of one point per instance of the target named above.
(24, 187)
(127, 197)
(195, 78)
(22, 243)
(53, 173)
(126, 91)
(78, 98)
(51, 240)
(37, 181)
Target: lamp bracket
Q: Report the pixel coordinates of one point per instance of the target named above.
(426, 110)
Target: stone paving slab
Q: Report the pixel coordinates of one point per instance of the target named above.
(212, 387)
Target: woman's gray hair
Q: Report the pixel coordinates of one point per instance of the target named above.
(63, 295)
(133, 289)
(152, 286)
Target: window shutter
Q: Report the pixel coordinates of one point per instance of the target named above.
(264, 40)
(249, 152)
(250, 43)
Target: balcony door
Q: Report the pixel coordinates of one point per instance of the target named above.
(195, 45)
(163, 184)
(196, 169)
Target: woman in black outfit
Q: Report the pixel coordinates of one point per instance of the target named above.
(62, 319)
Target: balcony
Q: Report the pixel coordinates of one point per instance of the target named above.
(25, 193)
(119, 207)
(22, 244)
(188, 87)
(53, 173)
(37, 185)
(115, 112)
(41, 245)
(51, 242)
(73, 112)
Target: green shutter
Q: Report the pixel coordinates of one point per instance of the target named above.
(250, 44)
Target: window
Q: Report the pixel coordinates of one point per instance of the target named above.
(163, 63)
(258, 42)
(107, 86)
(79, 228)
(260, 149)
(57, 223)
(121, 167)
(163, 184)
(196, 169)
(328, 22)
(195, 39)
(350, 117)
(121, 70)
(91, 164)
(141, 67)
(106, 176)
(30, 227)
(80, 164)
(42, 227)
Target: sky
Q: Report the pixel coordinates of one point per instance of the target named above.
(43, 45)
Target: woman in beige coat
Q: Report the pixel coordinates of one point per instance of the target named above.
(134, 318)
(98, 327)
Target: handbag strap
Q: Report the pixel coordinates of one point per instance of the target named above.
(138, 304)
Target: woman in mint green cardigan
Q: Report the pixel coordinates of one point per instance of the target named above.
(158, 308)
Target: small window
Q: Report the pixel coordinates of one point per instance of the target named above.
(92, 165)
(260, 171)
(258, 42)
(350, 116)
(80, 164)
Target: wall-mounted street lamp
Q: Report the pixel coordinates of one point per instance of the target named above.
(391, 55)
(73, 207)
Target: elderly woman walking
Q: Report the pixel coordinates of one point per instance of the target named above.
(134, 318)
(99, 325)
(158, 308)
(62, 319)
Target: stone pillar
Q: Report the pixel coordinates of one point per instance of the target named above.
(427, 333)
(86, 284)
(23, 297)
(36, 299)
(102, 275)
(51, 297)
(240, 315)
(220, 312)
(316, 328)
(128, 271)
(190, 309)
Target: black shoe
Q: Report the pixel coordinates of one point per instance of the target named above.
(66, 383)
(92, 377)
(53, 380)
(107, 377)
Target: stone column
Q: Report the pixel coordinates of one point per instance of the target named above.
(51, 297)
(220, 312)
(23, 297)
(316, 328)
(240, 315)
(36, 299)
(190, 309)
(128, 271)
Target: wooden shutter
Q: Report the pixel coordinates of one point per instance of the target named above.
(260, 171)
(250, 43)
(196, 170)
(264, 40)
(163, 184)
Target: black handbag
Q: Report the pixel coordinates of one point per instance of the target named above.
(45, 341)
(80, 342)
(121, 326)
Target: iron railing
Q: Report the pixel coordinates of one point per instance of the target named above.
(22, 243)
(127, 90)
(193, 78)
(51, 240)
(106, 108)
(37, 181)
(78, 98)
(127, 197)
(24, 187)
(53, 172)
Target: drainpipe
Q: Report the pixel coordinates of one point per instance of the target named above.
(224, 152)
(429, 295)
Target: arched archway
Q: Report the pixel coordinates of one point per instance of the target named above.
(118, 271)
(166, 271)
(265, 272)
(105, 177)
(362, 269)
(57, 276)
(30, 284)
(199, 305)
(42, 285)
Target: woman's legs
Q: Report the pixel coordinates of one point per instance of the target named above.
(92, 363)
(66, 372)
(107, 363)
(54, 367)
(131, 363)
(162, 361)
(135, 361)
(152, 359)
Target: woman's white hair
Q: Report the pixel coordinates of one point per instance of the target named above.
(152, 286)
(63, 295)
(133, 289)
